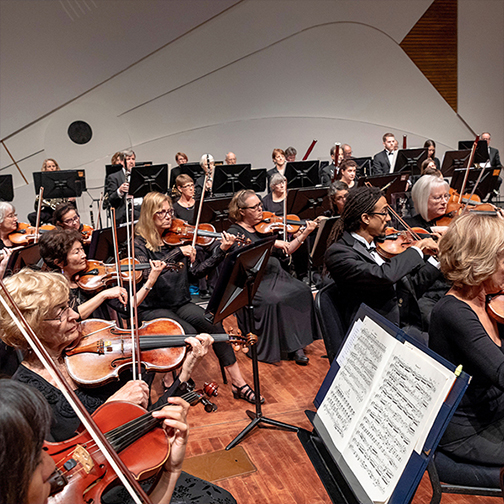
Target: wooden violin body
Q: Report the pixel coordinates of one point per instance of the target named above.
(86, 231)
(395, 242)
(271, 223)
(26, 234)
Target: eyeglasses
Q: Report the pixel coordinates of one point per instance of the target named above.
(383, 214)
(187, 186)
(64, 312)
(163, 213)
(72, 220)
(254, 207)
(445, 197)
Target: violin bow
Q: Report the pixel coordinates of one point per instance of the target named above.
(198, 218)
(122, 472)
(468, 167)
(39, 210)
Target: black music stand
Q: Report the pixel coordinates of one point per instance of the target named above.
(19, 259)
(238, 282)
(390, 183)
(229, 179)
(6, 188)
(194, 170)
(258, 179)
(410, 160)
(101, 247)
(487, 184)
(320, 244)
(363, 166)
(112, 168)
(453, 160)
(302, 174)
(148, 178)
(60, 184)
(307, 203)
(215, 211)
(481, 154)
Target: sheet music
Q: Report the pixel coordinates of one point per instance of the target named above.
(397, 416)
(362, 360)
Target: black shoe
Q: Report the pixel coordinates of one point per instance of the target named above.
(300, 357)
(204, 295)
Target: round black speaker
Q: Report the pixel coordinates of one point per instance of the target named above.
(80, 132)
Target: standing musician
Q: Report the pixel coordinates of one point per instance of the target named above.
(391, 287)
(66, 217)
(8, 223)
(283, 306)
(464, 331)
(184, 206)
(62, 251)
(169, 297)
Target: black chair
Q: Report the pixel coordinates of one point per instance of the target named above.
(462, 478)
(331, 323)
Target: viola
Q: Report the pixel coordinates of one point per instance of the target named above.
(395, 242)
(26, 234)
(182, 232)
(495, 307)
(98, 275)
(105, 350)
(271, 223)
(81, 469)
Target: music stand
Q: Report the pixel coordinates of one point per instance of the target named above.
(308, 202)
(258, 179)
(194, 170)
(410, 160)
(453, 160)
(101, 247)
(112, 168)
(465, 144)
(320, 244)
(215, 211)
(363, 166)
(487, 184)
(302, 174)
(390, 183)
(229, 179)
(238, 281)
(146, 179)
(6, 188)
(60, 184)
(27, 256)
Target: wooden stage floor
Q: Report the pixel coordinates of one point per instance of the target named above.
(284, 473)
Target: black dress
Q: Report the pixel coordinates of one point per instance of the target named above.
(272, 206)
(184, 213)
(476, 430)
(283, 309)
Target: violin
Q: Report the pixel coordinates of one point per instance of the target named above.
(271, 223)
(86, 231)
(181, 232)
(495, 307)
(98, 275)
(395, 242)
(105, 350)
(26, 234)
(131, 430)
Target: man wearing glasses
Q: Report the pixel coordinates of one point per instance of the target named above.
(389, 286)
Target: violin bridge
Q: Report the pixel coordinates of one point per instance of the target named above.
(81, 455)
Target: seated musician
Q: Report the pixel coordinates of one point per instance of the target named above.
(347, 172)
(464, 332)
(25, 421)
(184, 206)
(337, 192)
(428, 167)
(181, 158)
(280, 162)
(430, 145)
(169, 297)
(207, 162)
(283, 306)
(389, 286)
(8, 224)
(62, 251)
(65, 216)
(273, 201)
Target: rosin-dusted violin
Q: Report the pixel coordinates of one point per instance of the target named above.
(98, 275)
(26, 234)
(104, 350)
(181, 232)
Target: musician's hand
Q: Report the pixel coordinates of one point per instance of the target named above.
(189, 251)
(156, 268)
(310, 226)
(200, 345)
(135, 391)
(116, 293)
(282, 245)
(123, 188)
(428, 246)
(227, 240)
(4, 259)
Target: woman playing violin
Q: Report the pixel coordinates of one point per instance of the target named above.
(65, 216)
(25, 420)
(8, 223)
(169, 297)
(284, 317)
(462, 331)
(62, 251)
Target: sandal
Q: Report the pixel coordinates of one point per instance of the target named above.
(245, 393)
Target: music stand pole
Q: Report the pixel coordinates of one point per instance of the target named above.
(257, 417)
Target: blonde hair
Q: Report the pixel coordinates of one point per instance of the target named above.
(44, 164)
(152, 203)
(470, 249)
(37, 294)
(238, 202)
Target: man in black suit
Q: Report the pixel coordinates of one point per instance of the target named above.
(494, 161)
(117, 185)
(389, 286)
(386, 158)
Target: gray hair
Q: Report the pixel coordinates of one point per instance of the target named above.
(128, 152)
(203, 159)
(5, 208)
(421, 192)
(276, 179)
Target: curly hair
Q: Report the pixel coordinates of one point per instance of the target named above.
(55, 245)
(471, 248)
